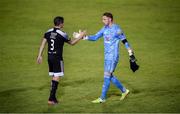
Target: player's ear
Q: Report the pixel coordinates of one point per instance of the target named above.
(110, 19)
(61, 25)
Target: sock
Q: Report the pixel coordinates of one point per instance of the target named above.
(54, 85)
(105, 88)
(118, 84)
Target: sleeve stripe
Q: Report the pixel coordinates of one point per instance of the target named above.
(50, 30)
(62, 34)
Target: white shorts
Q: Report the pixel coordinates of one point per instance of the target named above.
(56, 74)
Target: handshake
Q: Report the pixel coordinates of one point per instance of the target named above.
(80, 34)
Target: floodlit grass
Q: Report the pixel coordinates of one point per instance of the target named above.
(152, 28)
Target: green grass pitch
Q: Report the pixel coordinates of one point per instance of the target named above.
(151, 26)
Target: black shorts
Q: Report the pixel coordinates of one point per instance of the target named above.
(56, 66)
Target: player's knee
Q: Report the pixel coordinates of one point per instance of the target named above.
(107, 73)
(56, 78)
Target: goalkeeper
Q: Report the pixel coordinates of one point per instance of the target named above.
(112, 34)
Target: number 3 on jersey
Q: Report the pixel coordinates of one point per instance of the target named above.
(52, 45)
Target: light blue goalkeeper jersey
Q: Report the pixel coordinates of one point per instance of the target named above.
(112, 35)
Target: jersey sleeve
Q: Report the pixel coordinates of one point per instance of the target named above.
(64, 35)
(122, 37)
(96, 36)
(66, 38)
(119, 33)
(45, 35)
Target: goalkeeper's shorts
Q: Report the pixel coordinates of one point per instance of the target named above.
(110, 65)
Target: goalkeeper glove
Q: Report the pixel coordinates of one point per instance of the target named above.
(85, 37)
(132, 61)
(76, 35)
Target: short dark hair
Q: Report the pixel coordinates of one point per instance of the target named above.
(58, 20)
(107, 14)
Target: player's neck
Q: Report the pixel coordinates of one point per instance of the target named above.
(110, 24)
(57, 27)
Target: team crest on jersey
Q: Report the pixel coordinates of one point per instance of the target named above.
(107, 38)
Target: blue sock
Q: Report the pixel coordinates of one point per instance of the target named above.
(106, 85)
(118, 84)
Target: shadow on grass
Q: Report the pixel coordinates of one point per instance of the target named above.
(18, 90)
(117, 92)
(74, 83)
(16, 99)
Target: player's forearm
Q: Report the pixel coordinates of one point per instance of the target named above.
(126, 44)
(74, 41)
(41, 49)
(96, 36)
(93, 38)
(129, 49)
(124, 40)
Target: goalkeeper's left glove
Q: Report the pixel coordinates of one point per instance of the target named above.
(133, 65)
(76, 35)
